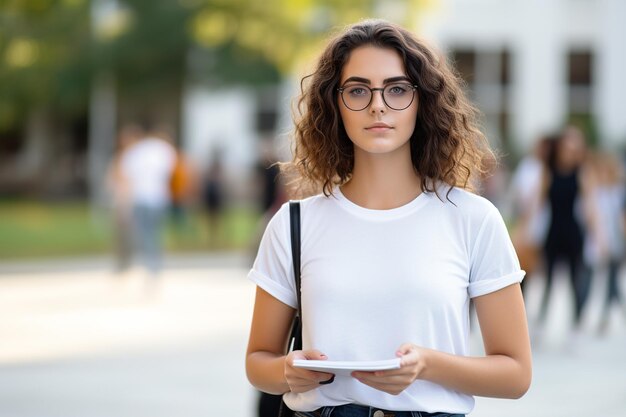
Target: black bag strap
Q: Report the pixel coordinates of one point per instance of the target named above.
(294, 220)
(295, 339)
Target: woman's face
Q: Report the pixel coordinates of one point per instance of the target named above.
(571, 149)
(377, 129)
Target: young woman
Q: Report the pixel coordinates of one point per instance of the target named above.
(393, 246)
(567, 189)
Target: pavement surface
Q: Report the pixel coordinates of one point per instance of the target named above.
(78, 340)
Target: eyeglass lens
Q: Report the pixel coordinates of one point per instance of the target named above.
(397, 96)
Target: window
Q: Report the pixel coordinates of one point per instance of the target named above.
(488, 76)
(580, 91)
(579, 65)
(464, 62)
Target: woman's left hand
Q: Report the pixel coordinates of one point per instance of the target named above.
(395, 381)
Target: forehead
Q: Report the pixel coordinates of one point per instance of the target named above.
(373, 63)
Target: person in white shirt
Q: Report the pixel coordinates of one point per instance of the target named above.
(147, 167)
(605, 249)
(394, 246)
(528, 214)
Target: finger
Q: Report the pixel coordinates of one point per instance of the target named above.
(391, 373)
(296, 354)
(408, 355)
(383, 374)
(314, 354)
(322, 376)
(305, 384)
(301, 385)
(307, 375)
(402, 379)
(305, 355)
(366, 375)
(404, 349)
(330, 381)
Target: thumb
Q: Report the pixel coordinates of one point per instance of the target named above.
(405, 352)
(314, 354)
(405, 349)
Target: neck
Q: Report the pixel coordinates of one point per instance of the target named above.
(382, 181)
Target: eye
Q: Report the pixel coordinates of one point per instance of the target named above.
(357, 91)
(398, 89)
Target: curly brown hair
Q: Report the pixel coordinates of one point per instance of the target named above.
(446, 144)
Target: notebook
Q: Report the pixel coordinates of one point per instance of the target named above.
(346, 367)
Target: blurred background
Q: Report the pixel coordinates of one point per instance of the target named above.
(136, 146)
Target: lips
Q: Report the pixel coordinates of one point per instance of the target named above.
(378, 126)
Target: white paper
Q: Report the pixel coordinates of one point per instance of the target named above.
(346, 367)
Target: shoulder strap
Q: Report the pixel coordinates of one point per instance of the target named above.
(294, 220)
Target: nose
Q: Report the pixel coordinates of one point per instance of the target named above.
(378, 104)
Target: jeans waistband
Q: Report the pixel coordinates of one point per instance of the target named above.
(356, 410)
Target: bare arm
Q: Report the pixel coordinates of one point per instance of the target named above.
(267, 367)
(505, 370)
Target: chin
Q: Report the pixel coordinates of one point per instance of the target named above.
(380, 150)
(384, 145)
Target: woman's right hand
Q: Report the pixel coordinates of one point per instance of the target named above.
(303, 380)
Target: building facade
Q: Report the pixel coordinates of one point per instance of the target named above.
(533, 65)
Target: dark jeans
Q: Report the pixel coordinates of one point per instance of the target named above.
(353, 410)
(579, 275)
(147, 227)
(613, 288)
(613, 292)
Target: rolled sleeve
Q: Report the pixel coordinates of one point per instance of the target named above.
(282, 294)
(494, 263)
(479, 288)
(273, 269)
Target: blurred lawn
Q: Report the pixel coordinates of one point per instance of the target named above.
(33, 229)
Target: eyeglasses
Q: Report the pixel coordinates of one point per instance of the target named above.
(397, 96)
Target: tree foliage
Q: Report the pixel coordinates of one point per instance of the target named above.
(51, 50)
(44, 56)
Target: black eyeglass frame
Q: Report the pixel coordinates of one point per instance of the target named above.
(382, 94)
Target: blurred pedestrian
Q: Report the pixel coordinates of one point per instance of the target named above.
(273, 193)
(147, 166)
(567, 189)
(493, 181)
(183, 189)
(605, 249)
(213, 198)
(529, 215)
(270, 189)
(119, 190)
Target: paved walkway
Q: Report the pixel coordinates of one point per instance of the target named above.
(76, 340)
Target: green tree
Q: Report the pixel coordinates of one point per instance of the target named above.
(44, 57)
(54, 53)
(50, 50)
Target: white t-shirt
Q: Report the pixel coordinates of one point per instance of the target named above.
(609, 200)
(375, 279)
(147, 166)
(526, 192)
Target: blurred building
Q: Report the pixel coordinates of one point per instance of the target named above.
(532, 65)
(232, 121)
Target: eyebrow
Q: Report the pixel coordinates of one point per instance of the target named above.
(385, 81)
